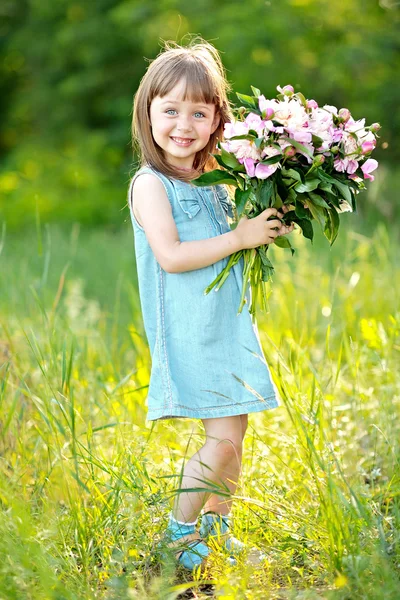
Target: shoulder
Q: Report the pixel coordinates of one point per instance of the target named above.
(150, 191)
(147, 182)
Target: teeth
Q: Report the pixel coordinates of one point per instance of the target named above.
(182, 140)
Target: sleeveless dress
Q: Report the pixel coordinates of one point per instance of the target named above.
(207, 361)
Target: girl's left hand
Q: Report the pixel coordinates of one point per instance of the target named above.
(285, 229)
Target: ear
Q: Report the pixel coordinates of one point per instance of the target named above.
(216, 121)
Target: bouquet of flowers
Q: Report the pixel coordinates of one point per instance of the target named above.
(290, 152)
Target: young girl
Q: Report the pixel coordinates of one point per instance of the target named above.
(207, 361)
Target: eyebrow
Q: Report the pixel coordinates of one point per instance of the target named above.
(178, 102)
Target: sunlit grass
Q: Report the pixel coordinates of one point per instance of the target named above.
(86, 484)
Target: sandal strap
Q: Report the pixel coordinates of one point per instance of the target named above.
(191, 537)
(185, 540)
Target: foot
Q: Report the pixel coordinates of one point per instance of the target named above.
(216, 527)
(190, 550)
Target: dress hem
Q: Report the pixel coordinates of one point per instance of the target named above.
(230, 411)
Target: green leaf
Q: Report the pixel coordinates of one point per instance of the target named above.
(324, 185)
(272, 160)
(215, 177)
(267, 268)
(332, 198)
(344, 190)
(301, 98)
(300, 147)
(241, 197)
(317, 141)
(292, 173)
(316, 199)
(245, 136)
(247, 101)
(255, 91)
(307, 186)
(342, 187)
(282, 242)
(331, 225)
(300, 211)
(266, 193)
(229, 160)
(317, 212)
(307, 228)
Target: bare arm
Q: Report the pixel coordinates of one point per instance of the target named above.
(155, 213)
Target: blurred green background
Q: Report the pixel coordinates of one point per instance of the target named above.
(68, 72)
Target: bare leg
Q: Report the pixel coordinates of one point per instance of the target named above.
(223, 448)
(222, 504)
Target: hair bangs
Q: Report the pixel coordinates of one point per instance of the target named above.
(199, 84)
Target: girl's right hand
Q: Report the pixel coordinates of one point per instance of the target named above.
(258, 230)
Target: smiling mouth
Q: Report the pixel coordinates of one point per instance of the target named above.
(182, 141)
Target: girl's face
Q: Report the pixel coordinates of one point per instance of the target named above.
(181, 127)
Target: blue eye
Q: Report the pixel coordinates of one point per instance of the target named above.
(199, 113)
(170, 110)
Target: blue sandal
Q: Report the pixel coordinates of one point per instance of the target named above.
(216, 527)
(190, 550)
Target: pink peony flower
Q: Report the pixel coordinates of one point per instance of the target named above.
(367, 147)
(337, 135)
(265, 104)
(352, 167)
(369, 165)
(255, 122)
(242, 149)
(235, 128)
(250, 166)
(331, 109)
(304, 137)
(264, 171)
(340, 164)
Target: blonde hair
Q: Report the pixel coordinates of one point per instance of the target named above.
(200, 66)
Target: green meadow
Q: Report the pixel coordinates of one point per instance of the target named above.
(86, 484)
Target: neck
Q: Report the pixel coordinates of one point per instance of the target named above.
(185, 168)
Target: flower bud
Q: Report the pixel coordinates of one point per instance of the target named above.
(367, 147)
(318, 160)
(289, 151)
(288, 90)
(268, 114)
(335, 149)
(375, 127)
(312, 104)
(241, 110)
(344, 115)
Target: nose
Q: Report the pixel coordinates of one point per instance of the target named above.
(184, 124)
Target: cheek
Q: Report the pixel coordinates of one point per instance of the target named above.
(205, 129)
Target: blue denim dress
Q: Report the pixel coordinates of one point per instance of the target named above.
(207, 361)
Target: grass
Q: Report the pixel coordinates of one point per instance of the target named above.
(86, 484)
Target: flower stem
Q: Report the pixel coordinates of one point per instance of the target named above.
(221, 277)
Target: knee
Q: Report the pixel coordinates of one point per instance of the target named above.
(229, 448)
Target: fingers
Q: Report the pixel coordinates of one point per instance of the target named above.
(286, 229)
(268, 212)
(274, 223)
